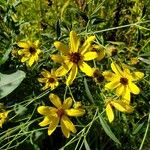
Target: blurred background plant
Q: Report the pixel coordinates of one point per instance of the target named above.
(121, 28)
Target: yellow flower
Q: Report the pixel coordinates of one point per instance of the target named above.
(50, 79)
(3, 116)
(74, 57)
(120, 105)
(59, 113)
(29, 52)
(122, 81)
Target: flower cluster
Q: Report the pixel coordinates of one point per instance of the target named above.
(73, 59)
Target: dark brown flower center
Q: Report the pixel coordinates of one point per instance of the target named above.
(100, 78)
(32, 50)
(75, 57)
(51, 80)
(60, 112)
(124, 81)
(96, 73)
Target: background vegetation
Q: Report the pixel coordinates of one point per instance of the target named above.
(121, 26)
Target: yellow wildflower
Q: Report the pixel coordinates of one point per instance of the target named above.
(29, 52)
(122, 81)
(59, 113)
(120, 105)
(74, 57)
(3, 116)
(50, 79)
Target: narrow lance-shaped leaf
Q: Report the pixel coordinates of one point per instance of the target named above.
(108, 130)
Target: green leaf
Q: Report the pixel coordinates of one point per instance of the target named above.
(88, 91)
(87, 147)
(5, 56)
(137, 128)
(10, 82)
(108, 130)
(20, 109)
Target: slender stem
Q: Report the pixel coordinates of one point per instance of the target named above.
(146, 131)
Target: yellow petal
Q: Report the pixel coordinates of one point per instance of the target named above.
(55, 100)
(62, 47)
(133, 88)
(43, 110)
(63, 70)
(90, 56)
(112, 85)
(23, 59)
(67, 103)
(86, 68)
(45, 122)
(65, 131)
(109, 113)
(116, 69)
(126, 95)
(46, 73)
(75, 112)
(108, 75)
(137, 75)
(69, 125)
(57, 58)
(38, 51)
(74, 42)
(118, 105)
(72, 75)
(36, 57)
(23, 52)
(36, 43)
(86, 45)
(101, 55)
(53, 124)
(23, 45)
(43, 80)
(122, 106)
(120, 90)
(31, 61)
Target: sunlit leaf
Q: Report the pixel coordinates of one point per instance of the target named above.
(10, 82)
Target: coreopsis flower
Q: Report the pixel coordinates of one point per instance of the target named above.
(3, 117)
(123, 81)
(49, 79)
(120, 105)
(59, 113)
(74, 57)
(29, 52)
